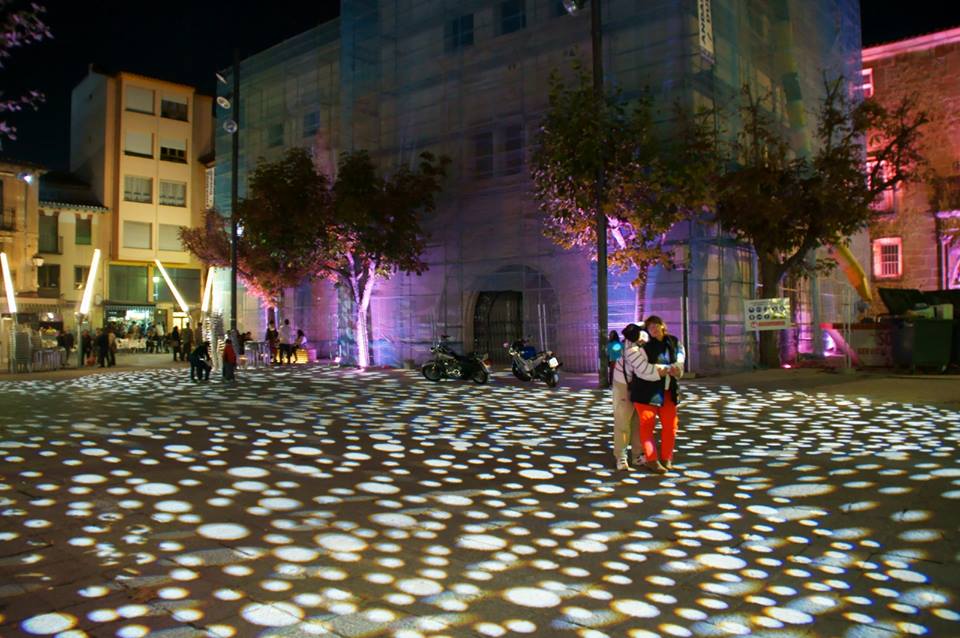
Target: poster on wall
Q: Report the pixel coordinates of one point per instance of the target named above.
(766, 314)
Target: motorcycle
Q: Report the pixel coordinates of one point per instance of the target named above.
(447, 364)
(529, 364)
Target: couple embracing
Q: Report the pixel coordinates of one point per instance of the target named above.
(645, 386)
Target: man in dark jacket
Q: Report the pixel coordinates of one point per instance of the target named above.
(200, 362)
(186, 341)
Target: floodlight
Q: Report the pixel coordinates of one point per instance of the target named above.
(88, 287)
(8, 284)
(173, 289)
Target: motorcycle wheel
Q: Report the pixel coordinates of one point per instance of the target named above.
(520, 374)
(480, 376)
(431, 371)
(553, 379)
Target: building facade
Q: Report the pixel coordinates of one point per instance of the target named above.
(138, 141)
(915, 236)
(19, 197)
(470, 80)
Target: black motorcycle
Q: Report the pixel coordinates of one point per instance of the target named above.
(529, 364)
(447, 364)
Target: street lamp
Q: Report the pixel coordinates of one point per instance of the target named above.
(232, 126)
(596, 37)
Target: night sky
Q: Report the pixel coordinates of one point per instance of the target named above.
(187, 40)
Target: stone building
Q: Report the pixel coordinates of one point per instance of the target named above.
(915, 237)
(470, 80)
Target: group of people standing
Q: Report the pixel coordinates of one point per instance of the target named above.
(283, 343)
(645, 370)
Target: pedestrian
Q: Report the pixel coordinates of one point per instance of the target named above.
(652, 373)
(86, 349)
(286, 340)
(200, 365)
(272, 338)
(300, 342)
(626, 424)
(614, 352)
(175, 342)
(102, 342)
(112, 347)
(161, 338)
(186, 340)
(229, 361)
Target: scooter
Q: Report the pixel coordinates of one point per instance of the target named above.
(447, 364)
(529, 364)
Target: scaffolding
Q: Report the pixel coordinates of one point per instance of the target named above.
(469, 79)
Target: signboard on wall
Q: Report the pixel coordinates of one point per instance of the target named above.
(766, 314)
(705, 28)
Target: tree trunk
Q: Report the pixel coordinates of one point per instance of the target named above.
(640, 297)
(362, 287)
(770, 275)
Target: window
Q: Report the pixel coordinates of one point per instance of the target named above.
(513, 16)
(275, 135)
(866, 84)
(311, 124)
(209, 187)
(173, 150)
(513, 149)
(173, 193)
(138, 144)
(885, 200)
(139, 100)
(48, 280)
(137, 235)
(174, 107)
(49, 234)
(483, 155)
(128, 283)
(458, 33)
(138, 189)
(187, 281)
(80, 274)
(168, 237)
(84, 231)
(888, 258)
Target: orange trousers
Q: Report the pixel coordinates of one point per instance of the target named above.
(668, 424)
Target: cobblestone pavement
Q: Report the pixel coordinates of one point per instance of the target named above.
(314, 501)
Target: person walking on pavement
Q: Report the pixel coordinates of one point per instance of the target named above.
(653, 375)
(614, 352)
(626, 425)
(186, 341)
(286, 341)
(175, 343)
(112, 347)
(272, 338)
(102, 342)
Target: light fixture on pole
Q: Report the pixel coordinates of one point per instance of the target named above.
(232, 126)
(83, 311)
(8, 284)
(596, 38)
(176, 293)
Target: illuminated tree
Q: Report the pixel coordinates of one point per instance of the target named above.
(298, 224)
(651, 179)
(20, 25)
(375, 230)
(284, 228)
(785, 205)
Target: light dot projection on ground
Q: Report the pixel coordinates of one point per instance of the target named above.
(314, 501)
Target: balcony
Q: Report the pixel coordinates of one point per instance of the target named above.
(48, 292)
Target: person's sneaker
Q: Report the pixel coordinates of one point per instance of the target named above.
(622, 463)
(655, 467)
(668, 465)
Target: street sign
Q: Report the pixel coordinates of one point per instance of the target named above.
(766, 314)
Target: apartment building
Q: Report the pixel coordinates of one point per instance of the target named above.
(138, 142)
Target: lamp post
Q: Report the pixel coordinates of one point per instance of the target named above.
(596, 39)
(232, 126)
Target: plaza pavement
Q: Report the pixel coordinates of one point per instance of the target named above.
(310, 500)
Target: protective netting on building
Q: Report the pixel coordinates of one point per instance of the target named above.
(469, 79)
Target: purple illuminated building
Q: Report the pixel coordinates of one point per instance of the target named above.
(470, 80)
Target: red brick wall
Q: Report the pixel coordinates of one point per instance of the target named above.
(933, 75)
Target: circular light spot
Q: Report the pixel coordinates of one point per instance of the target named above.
(537, 475)
(156, 489)
(223, 531)
(340, 542)
(635, 608)
(481, 542)
(721, 561)
(295, 554)
(532, 597)
(49, 623)
(790, 616)
(273, 615)
(401, 521)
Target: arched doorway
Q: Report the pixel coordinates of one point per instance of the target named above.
(497, 318)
